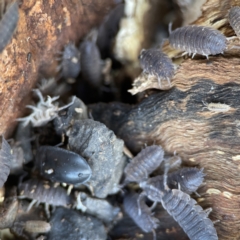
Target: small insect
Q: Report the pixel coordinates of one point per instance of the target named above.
(44, 192)
(6, 159)
(148, 160)
(234, 19)
(37, 226)
(216, 107)
(60, 165)
(155, 62)
(198, 40)
(44, 112)
(8, 25)
(191, 217)
(91, 63)
(145, 221)
(70, 66)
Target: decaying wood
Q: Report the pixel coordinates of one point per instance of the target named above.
(177, 120)
(43, 29)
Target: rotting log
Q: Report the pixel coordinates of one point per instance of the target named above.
(177, 120)
(43, 29)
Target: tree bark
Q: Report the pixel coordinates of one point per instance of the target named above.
(43, 29)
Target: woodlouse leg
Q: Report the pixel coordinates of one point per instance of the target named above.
(140, 197)
(208, 211)
(127, 152)
(69, 190)
(233, 37)
(153, 206)
(31, 204)
(68, 105)
(193, 55)
(80, 206)
(90, 188)
(46, 207)
(154, 235)
(39, 94)
(197, 194)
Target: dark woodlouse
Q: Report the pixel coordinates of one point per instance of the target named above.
(155, 62)
(6, 159)
(91, 63)
(187, 179)
(191, 217)
(60, 165)
(70, 61)
(234, 19)
(145, 221)
(108, 30)
(8, 24)
(198, 40)
(148, 160)
(44, 192)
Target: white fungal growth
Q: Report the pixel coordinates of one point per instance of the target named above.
(44, 111)
(216, 107)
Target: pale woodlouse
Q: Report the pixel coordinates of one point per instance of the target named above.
(216, 107)
(198, 40)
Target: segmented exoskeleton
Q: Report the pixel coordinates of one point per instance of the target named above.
(148, 160)
(145, 221)
(198, 40)
(155, 62)
(191, 217)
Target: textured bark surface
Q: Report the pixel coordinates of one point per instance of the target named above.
(43, 29)
(177, 120)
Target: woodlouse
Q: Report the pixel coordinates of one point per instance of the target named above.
(155, 62)
(8, 24)
(148, 160)
(6, 159)
(70, 65)
(145, 221)
(191, 217)
(37, 226)
(44, 192)
(198, 40)
(44, 112)
(216, 107)
(61, 165)
(91, 63)
(187, 179)
(234, 19)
